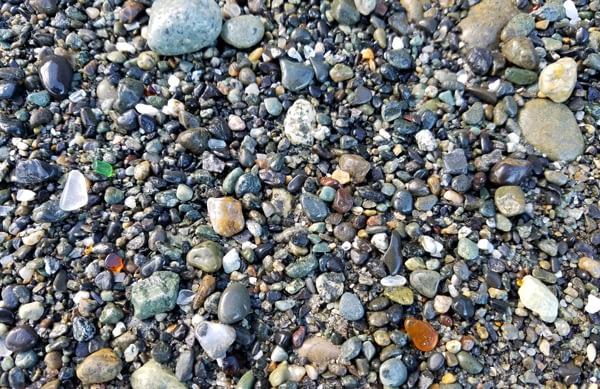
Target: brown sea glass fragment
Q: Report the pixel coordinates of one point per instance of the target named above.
(423, 335)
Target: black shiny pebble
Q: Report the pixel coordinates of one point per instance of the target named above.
(56, 74)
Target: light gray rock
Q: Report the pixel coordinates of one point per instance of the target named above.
(183, 26)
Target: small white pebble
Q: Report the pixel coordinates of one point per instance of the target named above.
(593, 304)
(25, 195)
(145, 109)
(390, 281)
(125, 47)
(173, 81)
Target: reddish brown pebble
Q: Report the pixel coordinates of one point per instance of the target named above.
(298, 337)
(422, 334)
(343, 200)
(329, 181)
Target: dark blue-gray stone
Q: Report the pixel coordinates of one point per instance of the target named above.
(295, 76)
(234, 304)
(392, 259)
(34, 171)
(83, 329)
(315, 209)
(129, 92)
(21, 338)
(56, 74)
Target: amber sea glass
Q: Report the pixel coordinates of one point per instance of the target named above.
(422, 334)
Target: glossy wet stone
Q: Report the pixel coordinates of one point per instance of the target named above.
(392, 258)
(463, 306)
(295, 76)
(34, 171)
(469, 363)
(225, 215)
(356, 166)
(234, 304)
(315, 209)
(21, 338)
(422, 334)
(100, 366)
(56, 74)
(510, 171)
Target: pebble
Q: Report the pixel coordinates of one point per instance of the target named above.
(315, 209)
(455, 162)
(279, 375)
(392, 258)
(98, 367)
(467, 249)
(393, 372)
(521, 52)
(520, 76)
(34, 171)
(154, 375)
(426, 140)
(510, 171)
(83, 329)
(56, 74)
(181, 26)
(350, 307)
(552, 129)
(593, 304)
(510, 200)
(207, 256)
(234, 304)
(48, 7)
(463, 306)
(295, 76)
(344, 12)
(155, 294)
(557, 80)
(243, 31)
(21, 338)
(225, 215)
(469, 363)
(590, 265)
(425, 282)
(480, 60)
(319, 350)
(31, 311)
(365, 7)
(536, 296)
(356, 166)
(215, 338)
(485, 20)
(340, 72)
(299, 123)
(194, 140)
(330, 286)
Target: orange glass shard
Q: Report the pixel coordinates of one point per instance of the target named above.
(423, 335)
(113, 262)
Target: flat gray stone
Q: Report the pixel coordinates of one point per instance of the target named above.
(552, 129)
(183, 26)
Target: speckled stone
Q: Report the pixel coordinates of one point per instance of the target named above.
(243, 31)
(355, 165)
(98, 367)
(155, 294)
(552, 129)
(299, 123)
(393, 372)
(350, 307)
(183, 26)
(510, 200)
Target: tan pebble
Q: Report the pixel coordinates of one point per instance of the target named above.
(558, 79)
(225, 215)
(101, 366)
(319, 350)
(590, 265)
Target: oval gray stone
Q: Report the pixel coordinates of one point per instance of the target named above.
(552, 129)
(350, 307)
(234, 304)
(183, 26)
(243, 31)
(425, 282)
